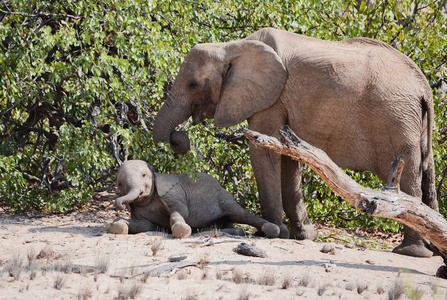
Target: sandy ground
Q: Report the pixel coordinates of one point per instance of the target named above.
(73, 257)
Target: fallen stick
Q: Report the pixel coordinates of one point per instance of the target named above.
(390, 203)
(173, 266)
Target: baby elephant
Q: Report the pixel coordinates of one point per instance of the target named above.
(176, 201)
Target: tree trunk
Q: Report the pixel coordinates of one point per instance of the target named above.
(390, 203)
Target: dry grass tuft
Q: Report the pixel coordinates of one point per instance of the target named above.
(85, 294)
(182, 275)
(267, 278)
(14, 267)
(102, 263)
(219, 274)
(321, 290)
(396, 290)
(287, 281)
(59, 283)
(415, 292)
(46, 253)
(350, 286)
(361, 287)
(132, 292)
(306, 280)
(238, 275)
(244, 294)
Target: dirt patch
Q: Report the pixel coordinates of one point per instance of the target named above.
(73, 257)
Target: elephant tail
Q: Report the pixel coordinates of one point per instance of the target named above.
(428, 110)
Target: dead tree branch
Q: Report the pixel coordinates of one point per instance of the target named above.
(390, 203)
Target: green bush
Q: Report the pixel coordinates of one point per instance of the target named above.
(81, 82)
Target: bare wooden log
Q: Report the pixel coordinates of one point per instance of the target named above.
(390, 203)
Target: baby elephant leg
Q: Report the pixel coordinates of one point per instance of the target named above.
(179, 227)
(237, 214)
(125, 226)
(119, 226)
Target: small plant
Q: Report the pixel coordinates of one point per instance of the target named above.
(267, 278)
(182, 275)
(46, 253)
(238, 275)
(65, 267)
(414, 293)
(31, 256)
(204, 261)
(157, 245)
(14, 267)
(205, 275)
(361, 287)
(135, 290)
(132, 292)
(287, 281)
(32, 275)
(122, 276)
(350, 286)
(85, 294)
(219, 274)
(321, 290)
(306, 280)
(59, 283)
(244, 294)
(396, 290)
(145, 277)
(102, 263)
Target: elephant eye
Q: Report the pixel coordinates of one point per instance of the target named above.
(192, 85)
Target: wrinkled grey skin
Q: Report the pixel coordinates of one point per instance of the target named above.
(361, 101)
(178, 202)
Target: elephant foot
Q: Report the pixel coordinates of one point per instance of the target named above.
(442, 272)
(415, 250)
(305, 232)
(412, 245)
(118, 228)
(283, 231)
(181, 230)
(271, 230)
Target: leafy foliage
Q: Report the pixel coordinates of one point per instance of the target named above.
(81, 82)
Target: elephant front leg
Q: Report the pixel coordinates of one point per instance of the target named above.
(179, 227)
(267, 168)
(293, 200)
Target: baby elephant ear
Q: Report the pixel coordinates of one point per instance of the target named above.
(254, 81)
(165, 182)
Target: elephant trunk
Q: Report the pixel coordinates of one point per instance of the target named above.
(130, 197)
(167, 119)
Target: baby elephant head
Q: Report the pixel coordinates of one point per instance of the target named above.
(136, 182)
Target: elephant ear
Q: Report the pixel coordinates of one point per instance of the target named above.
(254, 81)
(165, 182)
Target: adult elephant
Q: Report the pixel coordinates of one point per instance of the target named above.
(360, 100)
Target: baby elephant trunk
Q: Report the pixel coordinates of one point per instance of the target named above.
(131, 196)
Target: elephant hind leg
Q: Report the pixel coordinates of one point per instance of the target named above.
(236, 213)
(141, 225)
(413, 242)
